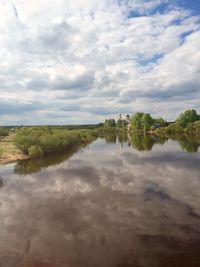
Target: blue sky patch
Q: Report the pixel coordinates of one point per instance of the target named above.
(184, 36)
(144, 61)
(193, 5)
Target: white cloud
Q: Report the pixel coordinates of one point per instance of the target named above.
(94, 52)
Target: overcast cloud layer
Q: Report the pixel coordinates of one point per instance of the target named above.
(73, 61)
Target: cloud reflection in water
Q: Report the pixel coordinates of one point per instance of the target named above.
(106, 206)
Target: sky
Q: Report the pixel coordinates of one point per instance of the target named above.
(83, 61)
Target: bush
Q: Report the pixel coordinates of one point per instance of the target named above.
(4, 131)
(190, 128)
(174, 128)
(197, 127)
(35, 151)
(193, 128)
(36, 141)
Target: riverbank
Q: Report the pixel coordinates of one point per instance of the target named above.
(35, 142)
(8, 151)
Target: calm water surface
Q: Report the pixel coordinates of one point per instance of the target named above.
(116, 203)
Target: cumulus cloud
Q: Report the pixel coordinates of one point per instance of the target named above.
(122, 55)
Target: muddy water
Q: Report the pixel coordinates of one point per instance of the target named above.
(116, 203)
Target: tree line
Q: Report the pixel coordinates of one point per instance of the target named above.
(138, 121)
(188, 121)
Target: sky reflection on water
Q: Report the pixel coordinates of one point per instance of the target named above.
(108, 205)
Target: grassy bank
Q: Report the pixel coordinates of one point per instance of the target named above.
(34, 142)
(38, 141)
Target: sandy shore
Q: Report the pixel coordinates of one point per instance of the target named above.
(8, 152)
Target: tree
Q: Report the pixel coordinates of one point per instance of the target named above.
(122, 123)
(188, 116)
(160, 121)
(109, 123)
(146, 121)
(136, 123)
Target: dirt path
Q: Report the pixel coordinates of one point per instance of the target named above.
(8, 151)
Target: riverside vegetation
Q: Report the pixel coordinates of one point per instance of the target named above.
(143, 129)
(187, 123)
(34, 142)
(138, 141)
(38, 141)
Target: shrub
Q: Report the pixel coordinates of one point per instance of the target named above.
(35, 151)
(36, 141)
(174, 128)
(4, 131)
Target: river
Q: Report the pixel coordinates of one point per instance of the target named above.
(116, 203)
